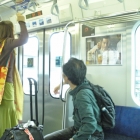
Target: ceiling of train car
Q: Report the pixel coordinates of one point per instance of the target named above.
(5, 7)
(6, 4)
(11, 2)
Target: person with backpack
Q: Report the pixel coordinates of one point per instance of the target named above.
(86, 112)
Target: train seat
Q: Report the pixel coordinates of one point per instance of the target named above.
(127, 124)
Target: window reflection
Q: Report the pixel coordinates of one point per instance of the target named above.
(56, 49)
(30, 63)
(137, 67)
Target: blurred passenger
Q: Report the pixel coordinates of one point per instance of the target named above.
(98, 50)
(104, 44)
(11, 100)
(119, 49)
(91, 55)
(86, 113)
(96, 47)
(119, 43)
(102, 54)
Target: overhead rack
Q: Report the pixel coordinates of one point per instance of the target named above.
(111, 19)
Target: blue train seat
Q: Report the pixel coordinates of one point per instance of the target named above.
(127, 124)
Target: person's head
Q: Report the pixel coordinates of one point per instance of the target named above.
(74, 71)
(6, 30)
(105, 43)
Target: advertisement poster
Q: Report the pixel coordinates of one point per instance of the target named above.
(104, 50)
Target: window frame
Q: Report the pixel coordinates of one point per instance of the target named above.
(65, 87)
(133, 62)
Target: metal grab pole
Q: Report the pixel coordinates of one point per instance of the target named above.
(63, 58)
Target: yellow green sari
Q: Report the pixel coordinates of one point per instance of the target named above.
(8, 115)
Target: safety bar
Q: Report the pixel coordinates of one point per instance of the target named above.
(61, 89)
(56, 8)
(63, 54)
(83, 7)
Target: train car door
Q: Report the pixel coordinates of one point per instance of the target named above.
(40, 59)
(31, 66)
(54, 109)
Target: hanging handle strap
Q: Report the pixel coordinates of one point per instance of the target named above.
(33, 5)
(86, 4)
(56, 8)
(19, 8)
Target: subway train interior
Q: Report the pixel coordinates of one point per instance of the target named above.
(60, 29)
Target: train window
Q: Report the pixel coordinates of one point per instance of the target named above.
(136, 57)
(30, 63)
(56, 51)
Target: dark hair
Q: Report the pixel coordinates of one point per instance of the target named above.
(6, 30)
(75, 70)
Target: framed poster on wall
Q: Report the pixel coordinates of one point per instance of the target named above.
(104, 50)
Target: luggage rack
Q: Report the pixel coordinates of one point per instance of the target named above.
(116, 18)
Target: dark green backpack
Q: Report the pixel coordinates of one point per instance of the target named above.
(105, 104)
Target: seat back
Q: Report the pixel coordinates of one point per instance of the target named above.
(127, 122)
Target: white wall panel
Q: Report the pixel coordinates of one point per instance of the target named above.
(115, 79)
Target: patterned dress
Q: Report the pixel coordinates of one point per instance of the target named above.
(8, 109)
(8, 116)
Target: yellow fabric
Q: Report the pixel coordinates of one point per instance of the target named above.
(19, 96)
(3, 75)
(8, 117)
(8, 92)
(2, 45)
(18, 90)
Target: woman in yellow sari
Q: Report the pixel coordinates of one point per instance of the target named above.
(11, 100)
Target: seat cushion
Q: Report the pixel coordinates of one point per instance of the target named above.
(127, 122)
(117, 137)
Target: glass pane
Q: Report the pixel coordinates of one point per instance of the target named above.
(30, 63)
(138, 49)
(56, 48)
(137, 65)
